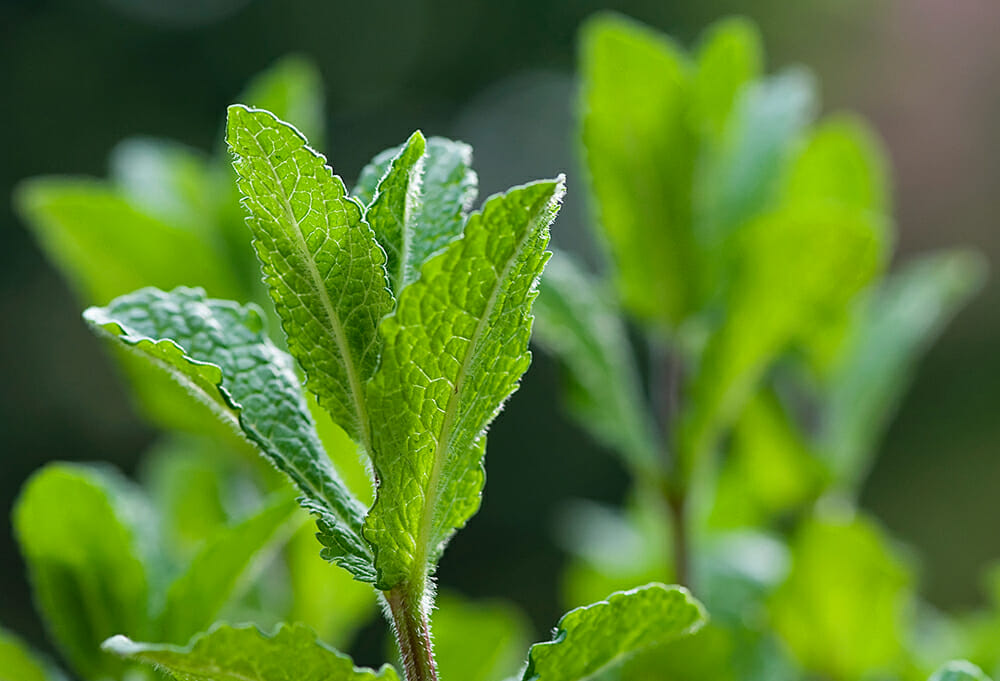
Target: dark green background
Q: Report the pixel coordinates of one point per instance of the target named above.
(77, 76)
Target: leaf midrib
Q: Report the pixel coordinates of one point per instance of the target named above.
(419, 567)
(335, 328)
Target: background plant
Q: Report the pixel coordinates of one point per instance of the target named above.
(747, 248)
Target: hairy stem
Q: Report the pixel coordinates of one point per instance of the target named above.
(411, 625)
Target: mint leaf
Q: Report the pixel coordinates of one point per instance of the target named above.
(454, 349)
(895, 324)
(222, 568)
(391, 211)
(19, 663)
(640, 152)
(320, 260)
(729, 57)
(598, 637)
(576, 321)
(842, 611)
(417, 205)
(291, 653)
(79, 529)
(959, 670)
(220, 352)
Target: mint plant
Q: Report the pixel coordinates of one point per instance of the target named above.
(746, 251)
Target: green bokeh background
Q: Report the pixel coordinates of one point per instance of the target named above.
(76, 76)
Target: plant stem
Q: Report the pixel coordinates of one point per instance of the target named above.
(677, 503)
(411, 625)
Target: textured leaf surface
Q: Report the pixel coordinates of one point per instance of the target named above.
(226, 653)
(220, 352)
(896, 323)
(19, 663)
(221, 568)
(420, 201)
(291, 89)
(639, 152)
(320, 260)
(598, 637)
(78, 529)
(842, 611)
(455, 348)
(959, 670)
(576, 322)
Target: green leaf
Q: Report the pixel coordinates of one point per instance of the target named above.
(598, 637)
(227, 653)
(220, 352)
(959, 670)
(730, 56)
(106, 247)
(292, 89)
(419, 205)
(455, 349)
(320, 260)
(843, 609)
(392, 207)
(796, 264)
(894, 325)
(639, 151)
(20, 663)
(223, 568)
(741, 174)
(79, 529)
(578, 324)
(477, 641)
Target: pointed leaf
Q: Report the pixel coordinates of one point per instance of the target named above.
(455, 349)
(221, 353)
(226, 653)
(959, 670)
(320, 260)
(599, 637)
(79, 532)
(730, 56)
(442, 188)
(581, 327)
(222, 568)
(639, 151)
(896, 323)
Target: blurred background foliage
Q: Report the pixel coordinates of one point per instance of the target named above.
(79, 76)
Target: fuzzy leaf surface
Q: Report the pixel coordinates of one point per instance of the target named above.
(321, 262)
(220, 352)
(455, 349)
(596, 638)
(292, 653)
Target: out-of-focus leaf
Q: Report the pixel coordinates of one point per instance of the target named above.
(223, 568)
(730, 56)
(768, 470)
(796, 264)
(331, 602)
(291, 89)
(20, 663)
(639, 151)
(895, 324)
(740, 175)
(79, 529)
(577, 323)
(478, 641)
(227, 653)
(959, 670)
(601, 636)
(844, 607)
